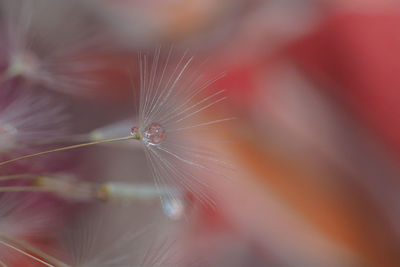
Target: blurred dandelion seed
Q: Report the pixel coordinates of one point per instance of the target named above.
(67, 148)
(96, 238)
(71, 187)
(29, 118)
(41, 55)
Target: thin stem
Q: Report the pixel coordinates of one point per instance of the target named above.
(50, 261)
(130, 191)
(68, 148)
(19, 176)
(64, 139)
(57, 140)
(73, 188)
(24, 189)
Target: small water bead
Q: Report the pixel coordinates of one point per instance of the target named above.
(135, 131)
(154, 134)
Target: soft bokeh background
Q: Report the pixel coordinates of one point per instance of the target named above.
(315, 87)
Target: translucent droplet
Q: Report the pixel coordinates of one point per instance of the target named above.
(173, 207)
(154, 134)
(135, 131)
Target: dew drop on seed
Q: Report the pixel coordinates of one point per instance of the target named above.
(134, 131)
(173, 208)
(154, 134)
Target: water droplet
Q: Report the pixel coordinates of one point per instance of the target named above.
(154, 134)
(173, 207)
(135, 131)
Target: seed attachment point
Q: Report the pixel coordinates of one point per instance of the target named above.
(135, 132)
(154, 134)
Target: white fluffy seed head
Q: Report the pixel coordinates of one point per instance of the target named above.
(172, 103)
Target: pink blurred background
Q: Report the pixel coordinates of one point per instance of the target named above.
(315, 87)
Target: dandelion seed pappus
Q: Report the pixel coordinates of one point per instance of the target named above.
(174, 96)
